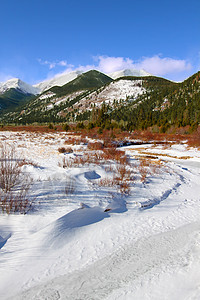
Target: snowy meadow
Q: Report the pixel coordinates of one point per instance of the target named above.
(82, 218)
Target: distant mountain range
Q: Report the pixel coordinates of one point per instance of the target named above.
(60, 80)
(135, 98)
(15, 91)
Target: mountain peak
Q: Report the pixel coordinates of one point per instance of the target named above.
(58, 80)
(16, 83)
(129, 72)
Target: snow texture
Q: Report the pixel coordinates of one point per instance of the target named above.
(57, 81)
(16, 83)
(94, 243)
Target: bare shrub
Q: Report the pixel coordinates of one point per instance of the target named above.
(122, 179)
(62, 150)
(14, 184)
(143, 169)
(70, 186)
(25, 162)
(65, 163)
(194, 140)
(109, 168)
(95, 146)
(113, 154)
(9, 168)
(16, 201)
(155, 166)
(109, 182)
(123, 173)
(124, 188)
(69, 150)
(76, 141)
(88, 158)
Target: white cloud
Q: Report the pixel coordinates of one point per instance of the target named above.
(109, 64)
(53, 64)
(163, 66)
(175, 69)
(86, 68)
(155, 65)
(62, 63)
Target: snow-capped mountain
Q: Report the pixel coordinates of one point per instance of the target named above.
(16, 83)
(67, 77)
(57, 81)
(129, 72)
(60, 80)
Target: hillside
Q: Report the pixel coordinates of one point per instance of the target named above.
(13, 98)
(50, 105)
(86, 81)
(166, 104)
(130, 102)
(14, 92)
(57, 81)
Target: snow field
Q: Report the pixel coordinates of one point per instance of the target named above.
(146, 247)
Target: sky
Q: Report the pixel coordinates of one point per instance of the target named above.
(41, 39)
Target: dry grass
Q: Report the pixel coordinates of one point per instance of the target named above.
(109, 182)
(65, 163)
(25, 162)
(76, 141)
(156, 155)
(114, 154)
(194, 140)
(143, 168)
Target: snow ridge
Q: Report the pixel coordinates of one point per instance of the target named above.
(16, 83)
(129, 72)
(57, 81)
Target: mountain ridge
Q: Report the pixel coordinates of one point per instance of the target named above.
(57, 80)
(135, 102)
(61, 80)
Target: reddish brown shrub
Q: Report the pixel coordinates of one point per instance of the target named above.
(95, 146)
(62, 150)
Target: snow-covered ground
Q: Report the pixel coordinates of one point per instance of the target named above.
(146, 245)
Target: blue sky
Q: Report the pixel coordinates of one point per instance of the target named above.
(42, 38)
